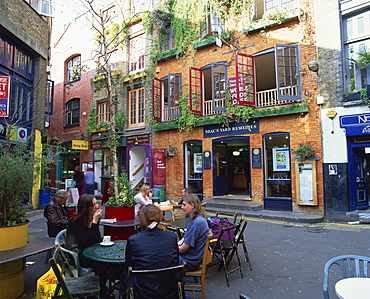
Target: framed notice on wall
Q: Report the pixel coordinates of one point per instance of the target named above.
(280, 159)
(198, 163)
(306, 182)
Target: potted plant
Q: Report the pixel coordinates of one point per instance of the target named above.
(121, 207)
(170, 151)
(305, 151)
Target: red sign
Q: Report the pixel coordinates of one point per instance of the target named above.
(4, 95)
(159, 167)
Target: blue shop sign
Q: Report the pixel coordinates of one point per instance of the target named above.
(233, 129)
(358, 124)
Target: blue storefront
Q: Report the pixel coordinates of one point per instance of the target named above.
(357, 128)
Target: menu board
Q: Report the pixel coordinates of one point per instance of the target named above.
(159, 167)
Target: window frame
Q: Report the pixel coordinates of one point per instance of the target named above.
(245, 75)
(70, 111)
(139, 108)
(281, 73)
(196, 90)
(137, 56)
(173, 97)
(73, 68)
(157, 99)
(105, 116)
(213, 24)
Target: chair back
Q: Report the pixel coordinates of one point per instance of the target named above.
(230, 216)
(156, 194)
(176, 271)
(60, 281)
(207, 254)
(350, 266)
(70, 257)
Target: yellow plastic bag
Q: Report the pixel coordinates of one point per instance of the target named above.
(46, 285)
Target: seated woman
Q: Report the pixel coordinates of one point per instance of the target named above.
(191, 247)
(144, 197)
(152, 248)
(83, 231)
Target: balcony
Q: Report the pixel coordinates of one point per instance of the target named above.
(265, 98)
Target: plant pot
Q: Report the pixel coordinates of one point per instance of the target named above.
(12, 274)
(120, 213)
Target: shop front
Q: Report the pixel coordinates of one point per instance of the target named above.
(357, 128)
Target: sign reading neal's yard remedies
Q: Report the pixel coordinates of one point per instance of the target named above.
(232, 129)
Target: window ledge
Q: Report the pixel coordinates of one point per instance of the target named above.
(136, 76)
(266, 23)
(168, 54)
(209, 41)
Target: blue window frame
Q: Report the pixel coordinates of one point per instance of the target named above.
(73, 112)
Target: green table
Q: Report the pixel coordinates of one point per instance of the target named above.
(114, 254)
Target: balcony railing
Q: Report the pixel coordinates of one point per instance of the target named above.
(264, 98)
(269, 97)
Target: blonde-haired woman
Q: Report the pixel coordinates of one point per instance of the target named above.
(144, 197)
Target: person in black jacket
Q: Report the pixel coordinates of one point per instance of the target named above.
(78, 177)
(152, 248)
(56, 213)
(83, 231)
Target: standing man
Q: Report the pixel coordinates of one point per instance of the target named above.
(78, 176)
(56, 213)
(90, 181)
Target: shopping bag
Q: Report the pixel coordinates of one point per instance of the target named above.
(46, 285)
(217, 226)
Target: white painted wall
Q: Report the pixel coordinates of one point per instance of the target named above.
(136, 160)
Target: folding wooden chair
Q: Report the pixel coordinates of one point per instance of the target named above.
(232, 217)
(201, 272)
(177, 212)
(74, 287)
(240, 239)
(167, 275)
(224, 250)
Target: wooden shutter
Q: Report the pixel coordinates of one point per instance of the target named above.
(157, 99)
(196, 87)
(245, 80)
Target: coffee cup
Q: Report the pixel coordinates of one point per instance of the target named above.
(106, 240)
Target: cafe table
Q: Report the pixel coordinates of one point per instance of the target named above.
(113, 256)
(353, 288)
(181, 223)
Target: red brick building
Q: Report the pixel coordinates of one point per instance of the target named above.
(251, 160)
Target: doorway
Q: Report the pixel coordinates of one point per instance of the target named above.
(231, 171)
(359, 176)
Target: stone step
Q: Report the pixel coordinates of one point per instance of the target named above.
(219, 204)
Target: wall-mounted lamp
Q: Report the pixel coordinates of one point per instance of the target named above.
(236, 153)
(313, 66)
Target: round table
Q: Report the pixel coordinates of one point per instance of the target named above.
(114, 254)
(353, 288)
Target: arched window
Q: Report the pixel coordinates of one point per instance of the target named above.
(73, 71)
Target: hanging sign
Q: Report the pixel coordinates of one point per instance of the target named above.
(80, 145)
(4, 95)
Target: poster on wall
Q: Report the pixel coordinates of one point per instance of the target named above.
(305, 182)
(159, 167)
(198, 165)
(280, 159)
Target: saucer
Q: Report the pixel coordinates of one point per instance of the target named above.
(108, 244)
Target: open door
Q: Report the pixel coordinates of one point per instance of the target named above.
(360, 180)
(220, 182)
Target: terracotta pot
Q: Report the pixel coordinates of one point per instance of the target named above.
(120, 213)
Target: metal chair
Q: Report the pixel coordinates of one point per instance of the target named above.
(241, 240)
(165, 276)
(201, 272)
(224, 250)
(350, 266)
(70, 257)
(156, 194)
(74, 287)
(232, 217)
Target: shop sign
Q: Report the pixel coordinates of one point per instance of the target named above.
(159, 167)
(80, 145)
(95, 145)
(2, 131)
(137, 140)
(358, 124)
(207, 160)
(4, 95)
(256, 158)
(233, 129)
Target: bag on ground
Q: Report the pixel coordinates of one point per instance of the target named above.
(46, 285)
